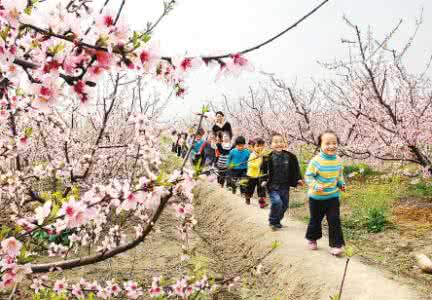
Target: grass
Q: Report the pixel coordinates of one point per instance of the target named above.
(370, 205)
(422, 189)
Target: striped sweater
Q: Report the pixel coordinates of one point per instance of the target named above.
(326, 170)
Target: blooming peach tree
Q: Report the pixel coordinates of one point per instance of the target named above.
(79, 170)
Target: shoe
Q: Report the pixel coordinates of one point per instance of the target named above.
(336, 251)
(247, 200)
(276, 227)
(262, 203)
(312, 245)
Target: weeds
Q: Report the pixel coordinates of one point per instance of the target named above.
(421, 189)
(370, 206)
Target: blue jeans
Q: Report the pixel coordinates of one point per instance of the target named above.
(279, 204)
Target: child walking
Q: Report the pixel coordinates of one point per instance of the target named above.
(324, 176)
(282, 170)
(254, 174)
(208, 151)
(223, 148)
(196, 146)
(237, 164)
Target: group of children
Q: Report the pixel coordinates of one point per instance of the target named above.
(274, 171)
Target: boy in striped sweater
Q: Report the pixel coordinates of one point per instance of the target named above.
(324, 176)
(223, 148)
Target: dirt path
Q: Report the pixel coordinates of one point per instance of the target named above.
(292, 271)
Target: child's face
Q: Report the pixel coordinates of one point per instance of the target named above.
(329, 144)
(278, 143)
(198, 137)
(226, 138)
(259, 148)
(240, 147)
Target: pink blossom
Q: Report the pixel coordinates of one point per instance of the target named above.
(105, 21)
(130, 201)
(104, 58)
(7, 281)
(75, 213)
(77, 291)
(11, 246)
(60, 286)
(42, 212)
(113, 288)
(156, 290)
(132, 290)
(150, 57)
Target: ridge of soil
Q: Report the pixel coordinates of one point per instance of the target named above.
(291, 271)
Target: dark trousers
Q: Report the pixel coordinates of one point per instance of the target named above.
(252, 183)
(222, 173)
(330, 209)
(279, 199)
(235, 175)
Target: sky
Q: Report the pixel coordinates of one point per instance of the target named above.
(204, 26)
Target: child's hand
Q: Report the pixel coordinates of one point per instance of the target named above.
(343, 188)
(264, 183)
(319, 188)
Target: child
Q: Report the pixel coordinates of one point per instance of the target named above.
(282, 170)
(196, 146)
(174, 140)
(251, 145)
(254, 173)
(183, 147)
(208, 151)
(237, 164)
(223, 148)
(324, 176)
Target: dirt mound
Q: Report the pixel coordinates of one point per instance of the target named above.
(291, 271)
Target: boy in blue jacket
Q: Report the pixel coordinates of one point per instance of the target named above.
(237, 164)
(196, 146)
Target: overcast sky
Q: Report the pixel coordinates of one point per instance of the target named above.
(203, 26)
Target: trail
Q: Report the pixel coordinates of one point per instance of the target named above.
(292, 271)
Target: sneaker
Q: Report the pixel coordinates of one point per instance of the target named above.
(312, 245)
(276, 227)
(247, 200)
(262, 203)
(336, 251)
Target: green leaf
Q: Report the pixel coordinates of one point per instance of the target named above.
(56, 49)
(28, 10)
(135, 39)
(5, 32)
(145, 38)
(349, 251)
(91, 296)
(54, 210)
(160, 178)
(275, 245)
(28, 131)
(205, 109)
(4, 232)
(40, 234)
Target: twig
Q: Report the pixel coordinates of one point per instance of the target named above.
(343, 278)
